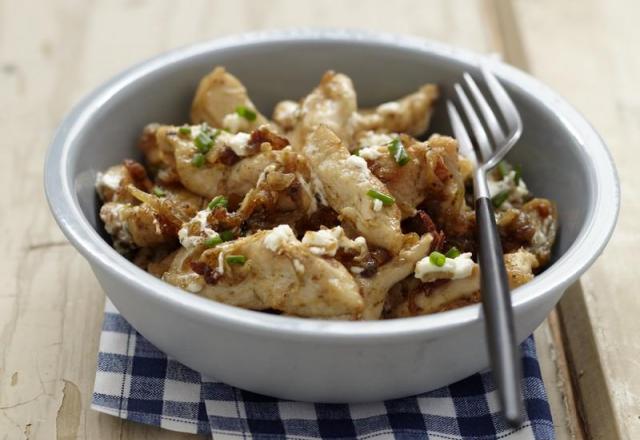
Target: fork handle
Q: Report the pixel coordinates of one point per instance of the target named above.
(496, 303)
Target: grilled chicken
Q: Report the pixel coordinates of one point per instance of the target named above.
(410, 114)
(278, 273)
(346, 181)
(411, 297)
(375, 289)
(220, 99)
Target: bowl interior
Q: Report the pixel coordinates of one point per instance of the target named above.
(550, 155)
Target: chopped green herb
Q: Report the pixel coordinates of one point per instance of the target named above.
(236, 259)
(218, 201)
(356, 152)
(203, 142)
(384, 198)
(499, 199)
(437, 258)
(518, 175)
(397, 151)
(246, 113)
(159, 192)
(226, 235)
(198, 160)
(213, 241)
(503, 169)
(453, 252)
(185, 129)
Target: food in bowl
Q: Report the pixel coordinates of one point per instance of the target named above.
(325, 211)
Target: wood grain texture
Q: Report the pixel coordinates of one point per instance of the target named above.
(53, 52)
(588, 51)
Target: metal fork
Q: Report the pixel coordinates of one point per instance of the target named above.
(494, 287)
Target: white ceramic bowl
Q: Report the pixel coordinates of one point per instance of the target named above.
(304, 359)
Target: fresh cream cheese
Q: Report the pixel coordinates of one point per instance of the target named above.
(357, 162)
(453, 268)
(235, 123)
(323, 242)
(239, 143)
(280, 235)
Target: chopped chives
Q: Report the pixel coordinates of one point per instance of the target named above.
(356, 152)
(246, 113)
(213, 241)
(159, 192)
(398, 152)
(185, 129)
(437, 258)
(198, 160)
(499, 199)
(503, 169)
(518, 174)
(384, 198)
(218, 201)
(453, 252)
(203, 142)
(236, 259)
(226, 235)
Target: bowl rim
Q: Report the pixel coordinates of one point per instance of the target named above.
(588, 245)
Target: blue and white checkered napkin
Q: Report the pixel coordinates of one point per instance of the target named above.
(136, 381)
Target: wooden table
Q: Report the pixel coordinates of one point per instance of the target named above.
(53, 52)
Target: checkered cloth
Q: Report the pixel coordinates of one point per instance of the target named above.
(136, 381)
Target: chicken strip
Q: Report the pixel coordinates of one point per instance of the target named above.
(347, 181)
(375, 288)
(412, 297)
(410, 114)
(220, 162)
(332, 103)
(222, 102)
(270, 270)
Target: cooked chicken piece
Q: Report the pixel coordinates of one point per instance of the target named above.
(332, 103)
(533, 226)
(135, 218)
(410, 114)
(445, 188)
(346, 180)
(412, 297)
(132, 226)
(222, 102)
(113, 183)
(286, 115)
(375, 288)
(270, 270)
(231, 163)
(159, 155)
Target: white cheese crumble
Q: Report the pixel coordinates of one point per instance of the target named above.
(356, 269)
(377, 205)
(324, 241)
(238, 143)
(286, 113)
(517, 193)
(388, 108)
(453, 268)
(194, 287)
(298, 266)
(110, 179)
(357, 162)
(278, 236)
(220, 268)
(203, 232)
(235, 123)
(372, 153)
(373, 139)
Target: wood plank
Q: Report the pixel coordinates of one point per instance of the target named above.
(587, 50)
(51, 54)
